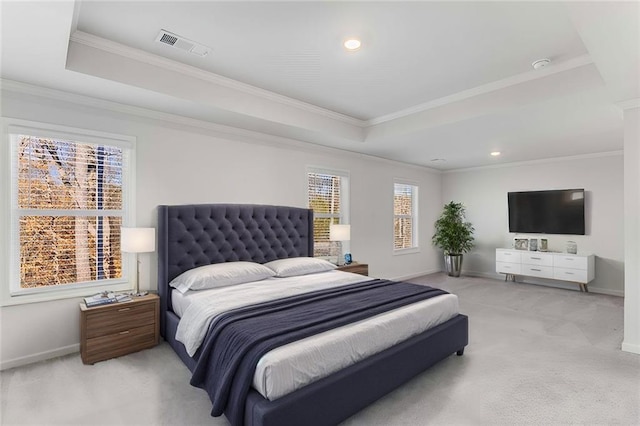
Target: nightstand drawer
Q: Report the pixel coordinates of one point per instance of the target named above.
(355, 268)
(121, 343)
(119, 318)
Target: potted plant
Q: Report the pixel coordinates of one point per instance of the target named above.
(454, 236)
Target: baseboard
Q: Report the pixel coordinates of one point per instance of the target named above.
(554, 284)
(42, 356)
(631, 347)
(420, 274)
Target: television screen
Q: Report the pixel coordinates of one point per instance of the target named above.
(547, 212)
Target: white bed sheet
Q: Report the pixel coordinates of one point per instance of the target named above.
(290, 367)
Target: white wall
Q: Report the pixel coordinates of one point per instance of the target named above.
(178, 164)
(484, 193)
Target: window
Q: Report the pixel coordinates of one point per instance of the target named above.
(328, 197)
(69, 200)
(405, 216)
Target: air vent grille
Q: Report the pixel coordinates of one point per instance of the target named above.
(168, 39)
(182, 43)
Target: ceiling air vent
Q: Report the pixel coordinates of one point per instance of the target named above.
(182, 43)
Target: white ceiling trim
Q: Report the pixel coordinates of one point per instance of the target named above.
(159, 61)
(629, 104)
(221, 130)
(487, 88)
(540, 161)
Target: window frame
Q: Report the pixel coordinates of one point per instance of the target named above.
(10, 291)
(415, 241)
(344, 216)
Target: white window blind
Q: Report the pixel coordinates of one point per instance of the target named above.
(328, 197)
(405, 204)
(68, 204)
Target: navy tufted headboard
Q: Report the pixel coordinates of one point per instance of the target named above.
(201, 234)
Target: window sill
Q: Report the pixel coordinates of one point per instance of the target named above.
(52, 295)
(401, 252)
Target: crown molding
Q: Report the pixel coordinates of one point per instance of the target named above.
(233, 133)
(540, 161)
(109, 46)
(487, 88)
(629, 104)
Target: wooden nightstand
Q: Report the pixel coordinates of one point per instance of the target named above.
(117, 329)
(356, 268)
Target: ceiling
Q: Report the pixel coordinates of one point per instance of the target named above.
(432, 81)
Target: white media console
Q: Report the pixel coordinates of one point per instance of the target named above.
(556, 266)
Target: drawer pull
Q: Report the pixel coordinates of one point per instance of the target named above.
(569, 259)
(124, 332)
(538, 270)
(124, 309)
(536, 258)
(569, 273)
(507, 254)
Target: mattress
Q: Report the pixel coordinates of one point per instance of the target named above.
(291, 367)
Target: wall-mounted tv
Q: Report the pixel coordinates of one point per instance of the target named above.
(547, 212)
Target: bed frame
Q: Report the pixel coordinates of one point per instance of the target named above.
(195, 235)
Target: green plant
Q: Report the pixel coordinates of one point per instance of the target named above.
(453, 234)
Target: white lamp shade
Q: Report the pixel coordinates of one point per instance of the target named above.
(339, 232)
(137, 240)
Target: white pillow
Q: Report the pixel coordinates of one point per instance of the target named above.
(220, 275)
(299, 266)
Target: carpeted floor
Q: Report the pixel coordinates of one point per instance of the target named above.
(537, 355)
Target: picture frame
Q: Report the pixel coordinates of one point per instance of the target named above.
(533, 244)
(521, 244)
(544, 244)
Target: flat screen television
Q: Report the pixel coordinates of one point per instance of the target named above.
(547, 212)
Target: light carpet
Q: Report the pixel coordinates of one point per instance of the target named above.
(537, 355)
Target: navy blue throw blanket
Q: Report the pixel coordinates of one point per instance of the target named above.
(238, 339)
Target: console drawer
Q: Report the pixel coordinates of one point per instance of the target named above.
(537, 259)
(568, 261)
(508, 256)
(508, 268)
(537, 271)
(567, 274)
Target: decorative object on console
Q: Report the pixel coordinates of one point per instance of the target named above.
(533, 244)
(521, 244)
(347, 259)
(454, 236)
(543, 244)
(339, 233)
(137, 240)
(572, 247)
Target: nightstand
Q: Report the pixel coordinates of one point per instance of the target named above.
(117, 329)
(356, 268)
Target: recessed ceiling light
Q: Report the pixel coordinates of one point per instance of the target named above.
(495, 153)
(352, 44)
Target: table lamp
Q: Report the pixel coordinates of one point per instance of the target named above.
(339, 233)
(137, 240)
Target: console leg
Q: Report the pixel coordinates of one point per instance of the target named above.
(460, 352)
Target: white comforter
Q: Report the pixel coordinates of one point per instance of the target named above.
(297, 364)
(196, 318)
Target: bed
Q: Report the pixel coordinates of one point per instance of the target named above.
(191, 236)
